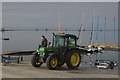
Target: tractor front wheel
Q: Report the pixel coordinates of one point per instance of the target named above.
(60, 64)
(36, 60)
(52, 62)
(73, 59)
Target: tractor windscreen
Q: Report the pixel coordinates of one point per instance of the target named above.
(59, 41)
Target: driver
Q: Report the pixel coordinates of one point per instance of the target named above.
(44, 41)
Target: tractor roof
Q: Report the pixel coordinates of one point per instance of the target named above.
(66, 35)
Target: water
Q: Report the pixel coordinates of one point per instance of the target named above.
(26, 40)
(89, 61)
(29, 40)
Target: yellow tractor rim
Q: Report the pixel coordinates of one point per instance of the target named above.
(75, 59)
(54, 62)
(38, 62)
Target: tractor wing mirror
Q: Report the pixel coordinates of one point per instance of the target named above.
(49, 43)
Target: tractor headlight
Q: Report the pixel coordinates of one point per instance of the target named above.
(37, 50)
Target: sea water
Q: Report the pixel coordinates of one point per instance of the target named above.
(29, 40)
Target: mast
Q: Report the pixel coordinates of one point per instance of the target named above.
(105, 31)
(59, 23)
(91, 35)
(97, 27)
(114, 30)
(92, 31)
(79, 32)
(81, 27)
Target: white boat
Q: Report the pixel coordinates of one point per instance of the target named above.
(105, 64)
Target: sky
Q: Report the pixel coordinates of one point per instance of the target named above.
(45, 15)
(59, 0)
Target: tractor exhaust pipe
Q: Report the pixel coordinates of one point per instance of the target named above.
(53, 39)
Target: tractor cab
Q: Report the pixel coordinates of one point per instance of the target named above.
(64, 40)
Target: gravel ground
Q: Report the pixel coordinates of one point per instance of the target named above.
(25, 70)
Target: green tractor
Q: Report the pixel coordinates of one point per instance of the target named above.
(64, 49)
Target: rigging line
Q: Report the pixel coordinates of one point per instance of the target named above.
(82, 27)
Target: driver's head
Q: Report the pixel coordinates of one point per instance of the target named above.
(42, 36)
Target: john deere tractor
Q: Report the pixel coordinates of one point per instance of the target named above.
(64, 49)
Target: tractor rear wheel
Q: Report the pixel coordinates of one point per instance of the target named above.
(36, 60)
(73, 59)
(52, 62)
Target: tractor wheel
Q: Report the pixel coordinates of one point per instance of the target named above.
(18, 61)
(52, 62)
(36, 60)
(21, 58)
(60, 64)
(73, 59)
(111, 65)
